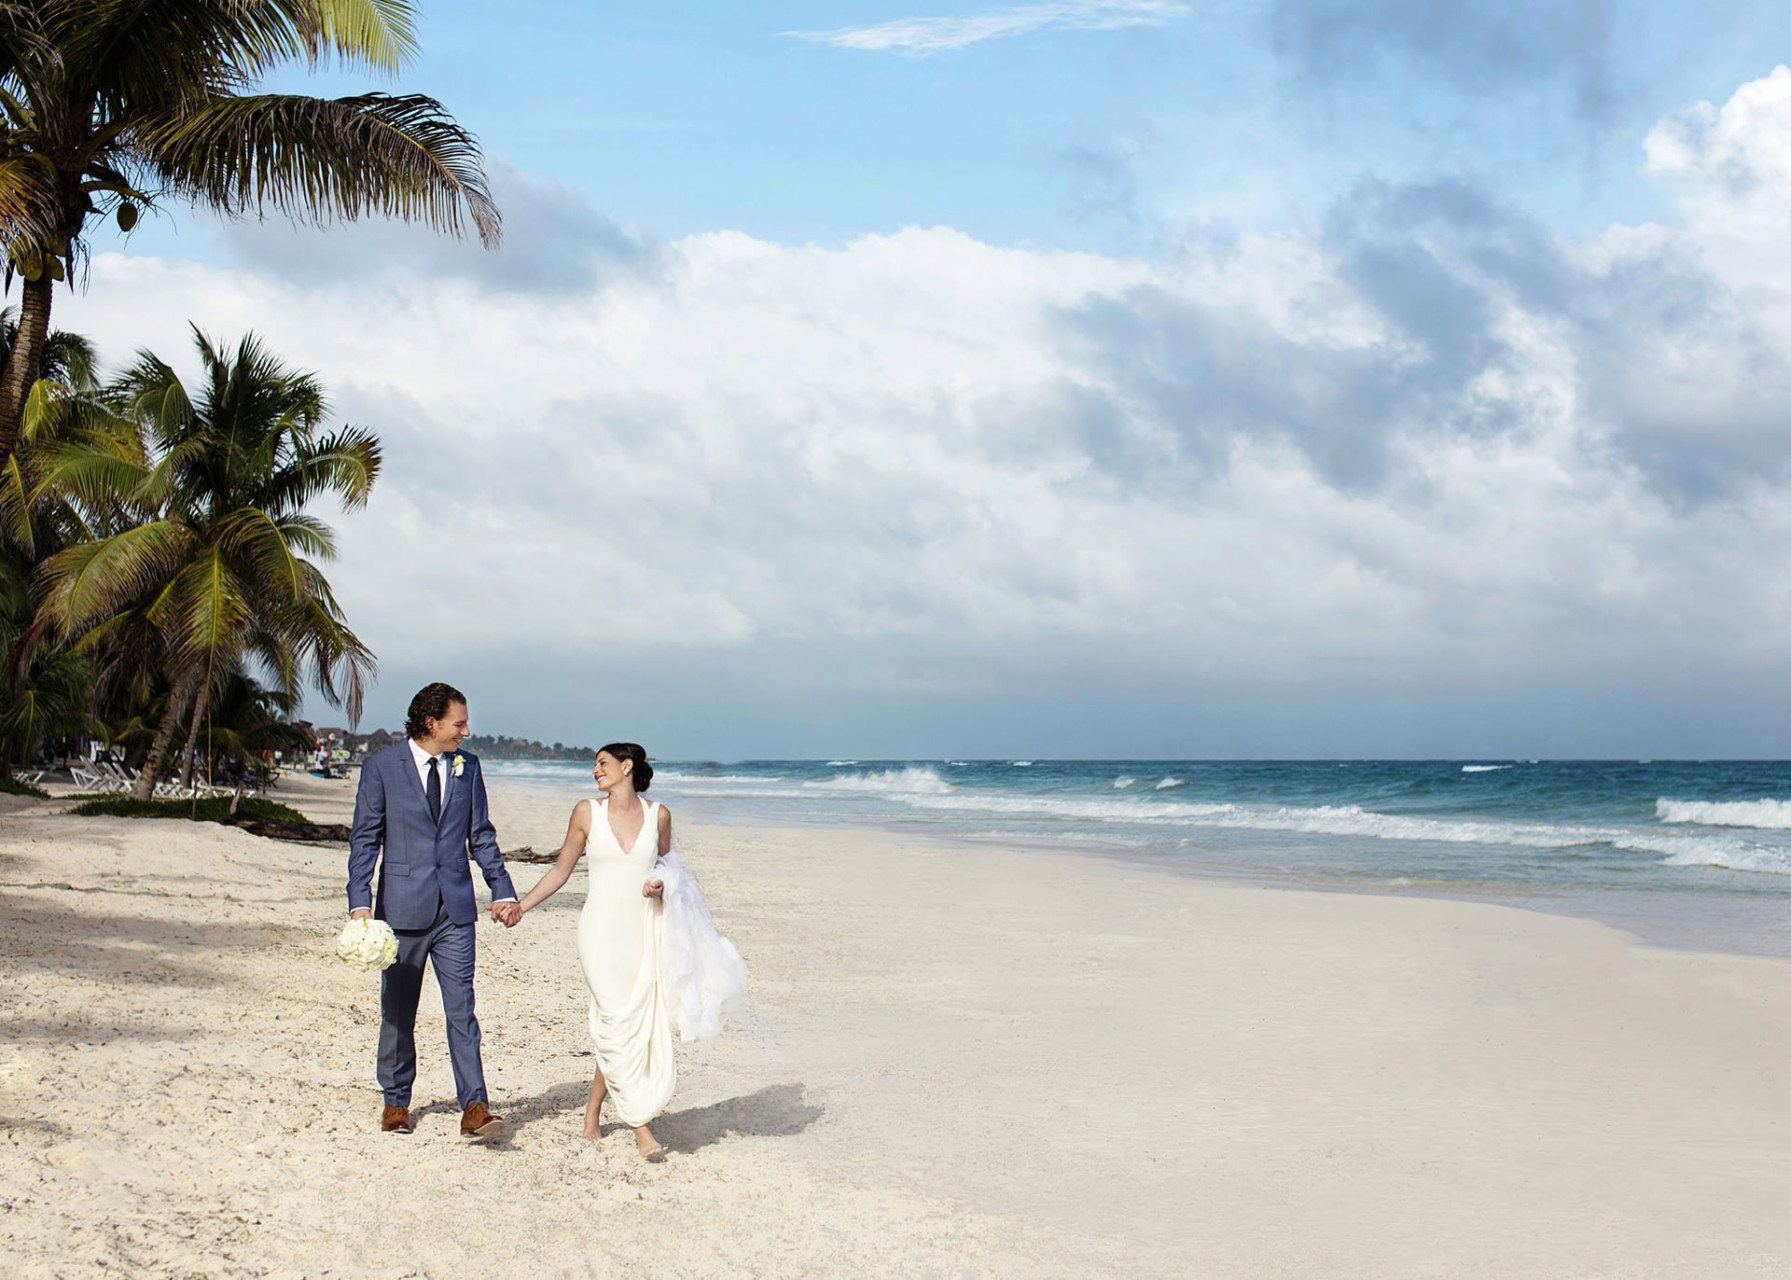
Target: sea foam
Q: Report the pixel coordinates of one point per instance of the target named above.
(1767, 814)
(663, 776)
(1731, 855)
(1337, 820)
(908, 781)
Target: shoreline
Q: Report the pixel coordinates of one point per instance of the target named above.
(980, 1061)
(1764, 932)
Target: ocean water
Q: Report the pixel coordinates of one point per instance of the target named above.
(1692, 854)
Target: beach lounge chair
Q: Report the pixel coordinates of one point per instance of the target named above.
(87, 780)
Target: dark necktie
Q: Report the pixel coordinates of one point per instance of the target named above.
(435, 788)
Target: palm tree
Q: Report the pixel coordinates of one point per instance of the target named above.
(109, 106)
(66, 415)
(225, 573)
(45, 690)
(248, 725)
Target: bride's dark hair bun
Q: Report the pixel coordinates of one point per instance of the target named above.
(636, 755)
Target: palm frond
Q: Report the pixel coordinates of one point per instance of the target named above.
(344, 462)
(93, 473)
(171, 53)
(93, 579)
(323, 158)
(377, 33)
(251, 538)
(15, 509)
(29, 215)
(339, 664)
(308, 536)
(204, 612)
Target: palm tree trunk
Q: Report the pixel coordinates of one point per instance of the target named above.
(24, 360)
(186, 763)
(144, 787)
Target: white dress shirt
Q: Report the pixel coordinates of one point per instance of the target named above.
(422, 759)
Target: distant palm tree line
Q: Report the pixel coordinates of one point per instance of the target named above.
(159, 564)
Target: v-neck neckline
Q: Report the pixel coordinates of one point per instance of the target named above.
(646, 812)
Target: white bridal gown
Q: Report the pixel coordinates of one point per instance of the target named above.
(620, 950)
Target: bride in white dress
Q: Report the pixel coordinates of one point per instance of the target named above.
(650, 955)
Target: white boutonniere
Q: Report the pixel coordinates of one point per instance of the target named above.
(459, 764)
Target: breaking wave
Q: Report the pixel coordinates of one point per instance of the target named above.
(666, 776)
(909, 781)
(1771, 815)
(1731, 855)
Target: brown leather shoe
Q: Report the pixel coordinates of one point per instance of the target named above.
(396, 1120)
(478, 1122)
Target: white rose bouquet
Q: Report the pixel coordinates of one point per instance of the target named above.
(367, 945)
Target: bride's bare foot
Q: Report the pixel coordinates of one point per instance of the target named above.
(593, 1117)
(649, 1145)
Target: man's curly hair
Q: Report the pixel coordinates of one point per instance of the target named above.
(431, 703)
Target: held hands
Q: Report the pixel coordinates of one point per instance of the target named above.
(653, 889)
(508, 914)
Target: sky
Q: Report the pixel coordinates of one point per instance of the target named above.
(1300, 378)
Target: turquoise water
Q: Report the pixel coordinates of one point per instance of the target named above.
(1684, 853)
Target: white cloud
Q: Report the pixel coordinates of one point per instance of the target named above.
(1732, 169)
(1434, 447)
(923, 36)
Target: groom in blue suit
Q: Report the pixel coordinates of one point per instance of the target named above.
(422, 803)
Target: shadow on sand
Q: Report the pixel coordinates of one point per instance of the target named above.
(776, 1111)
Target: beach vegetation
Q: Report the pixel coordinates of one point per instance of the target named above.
(500, 746)
(45, 689)
(161, 587)
(110, 109)
(208, 809)
(222, 571)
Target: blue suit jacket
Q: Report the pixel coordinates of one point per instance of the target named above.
(425, 861)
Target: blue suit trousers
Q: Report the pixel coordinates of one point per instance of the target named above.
(450, 948)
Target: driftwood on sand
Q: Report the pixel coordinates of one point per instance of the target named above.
(526, 853)
(337, 833)
(281, 829)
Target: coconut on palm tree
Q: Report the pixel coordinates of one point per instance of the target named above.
(108, 107)
(225, 574)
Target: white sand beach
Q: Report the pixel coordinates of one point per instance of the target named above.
(985, 1063)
